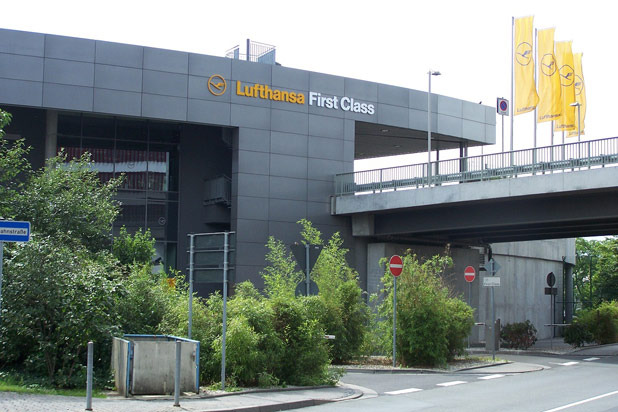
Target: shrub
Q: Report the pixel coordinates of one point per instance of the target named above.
(431, 325)
(577, 334)
(519, 335)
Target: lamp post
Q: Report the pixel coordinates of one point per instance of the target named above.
(579, 132)
(429, 73)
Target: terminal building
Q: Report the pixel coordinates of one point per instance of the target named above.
(210, 144)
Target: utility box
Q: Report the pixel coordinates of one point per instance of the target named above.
(145, 364)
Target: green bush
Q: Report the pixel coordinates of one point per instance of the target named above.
(599, 325)
(134, 249)
(431, 325)
(577, 334)
(519, 335)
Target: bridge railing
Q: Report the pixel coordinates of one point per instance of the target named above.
(548, 159)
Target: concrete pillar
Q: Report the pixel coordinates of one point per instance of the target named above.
(568, 292)
(51, 134)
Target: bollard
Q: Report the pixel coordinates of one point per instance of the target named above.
(89, 377)
(177, 376)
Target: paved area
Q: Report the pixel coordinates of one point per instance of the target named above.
(246, 402)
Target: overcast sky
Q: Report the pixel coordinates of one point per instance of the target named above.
(392, 42)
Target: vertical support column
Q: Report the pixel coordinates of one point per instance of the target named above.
(224, 331)
(191, 260)
(177, 376)
(568, 293)
(51, 133)
(89, 376)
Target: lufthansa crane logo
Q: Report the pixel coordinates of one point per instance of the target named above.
(523, 53)
(217, 84)
(579, 85)
(548, 65)
(567, 75)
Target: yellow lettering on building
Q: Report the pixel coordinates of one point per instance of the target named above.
(262, 91)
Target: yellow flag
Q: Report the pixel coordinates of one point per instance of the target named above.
(564, 57)
(580, 93)
(550, 102)
(525, 89)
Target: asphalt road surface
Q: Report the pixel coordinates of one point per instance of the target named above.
(565, 383)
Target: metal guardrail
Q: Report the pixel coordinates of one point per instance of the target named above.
(540, 160)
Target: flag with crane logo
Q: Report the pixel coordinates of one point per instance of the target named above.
(564, 58)
(580, 93)
(550, 102)
(526, 97)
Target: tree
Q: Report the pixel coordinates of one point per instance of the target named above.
(13, 169)
(595, 276)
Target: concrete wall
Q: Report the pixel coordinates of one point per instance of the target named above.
(524, 267)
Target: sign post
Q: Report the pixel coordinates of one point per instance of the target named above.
(11, 231)
(469, 275)
(551, 291)
(492, 281)
(395, 265)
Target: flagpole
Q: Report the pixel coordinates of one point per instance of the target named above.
(512, 80)
(535, 81)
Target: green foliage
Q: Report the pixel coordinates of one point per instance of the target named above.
(599, 325)
(67, 201)
(431, 325)
(55, 299)
(14, 169)
(595, 276)
(134, 249)
(280, 276)
(519, 335)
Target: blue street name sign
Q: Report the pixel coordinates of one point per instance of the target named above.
(11, 231)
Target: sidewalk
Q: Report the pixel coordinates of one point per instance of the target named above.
(266, 401)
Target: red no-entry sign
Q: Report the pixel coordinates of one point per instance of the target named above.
(469, 274)
(395, 265)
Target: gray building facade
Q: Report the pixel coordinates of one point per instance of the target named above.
(211, 143)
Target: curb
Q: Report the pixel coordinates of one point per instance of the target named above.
(392, 370)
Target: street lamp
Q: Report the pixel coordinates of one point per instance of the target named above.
(429, 74)
(579, 132)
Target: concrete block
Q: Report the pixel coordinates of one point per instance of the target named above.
(166, 84)
(393, 95)
(449, 106)
(68, 97)
(325, 148)
(286, 210)
(326, 84)
(254, 185)
(117, 102)
(361, 90)
(117, 54)
(393, 115)
(319, 190)
(473, 130)
(166, 60)
(288, 143)
(21, 92)
(254, 208)
(254, 231)
(418, 120)
(69, 48)
(164, 107)
(418, 101)
(117, 78)
(22, 42)
(14, 66)
(253, 162)
(473, 111)
(69, 72)
(256, 140)
(288, 166)
(206, 66)
(287, 78)
(252, 117)
(449, 125)
(209, 112)
(288, 188)
(251, 72)
(320, 169)
(249, 254)
(289, 122)
(326, 126)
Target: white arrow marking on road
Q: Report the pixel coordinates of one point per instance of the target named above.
(452, 383)
(496, 376)
(591, 359)
(402, 391)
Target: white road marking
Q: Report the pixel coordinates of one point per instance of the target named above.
(591, 359)
(452, 383)
(402, 391)
(570, 405)
(496, 376)
(568, 363)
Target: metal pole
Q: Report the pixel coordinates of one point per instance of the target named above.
(223, 336)
(191, 255)
(502, 133)
(512, 82)
(429, 131)
(1, 264)
(493, 316)
(394, 320)
(89, 376)
(469, 304)
(307, 279)
(177, 376)
(535, 85)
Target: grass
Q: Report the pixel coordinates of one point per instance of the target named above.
(11, 381)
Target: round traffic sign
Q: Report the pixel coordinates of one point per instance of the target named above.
(395, 265)
(469, 274)
(551, 279)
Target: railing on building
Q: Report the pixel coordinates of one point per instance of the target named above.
(540, 160)
(256, 52)
(218, 190)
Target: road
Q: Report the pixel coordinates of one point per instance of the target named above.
(570, 383)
